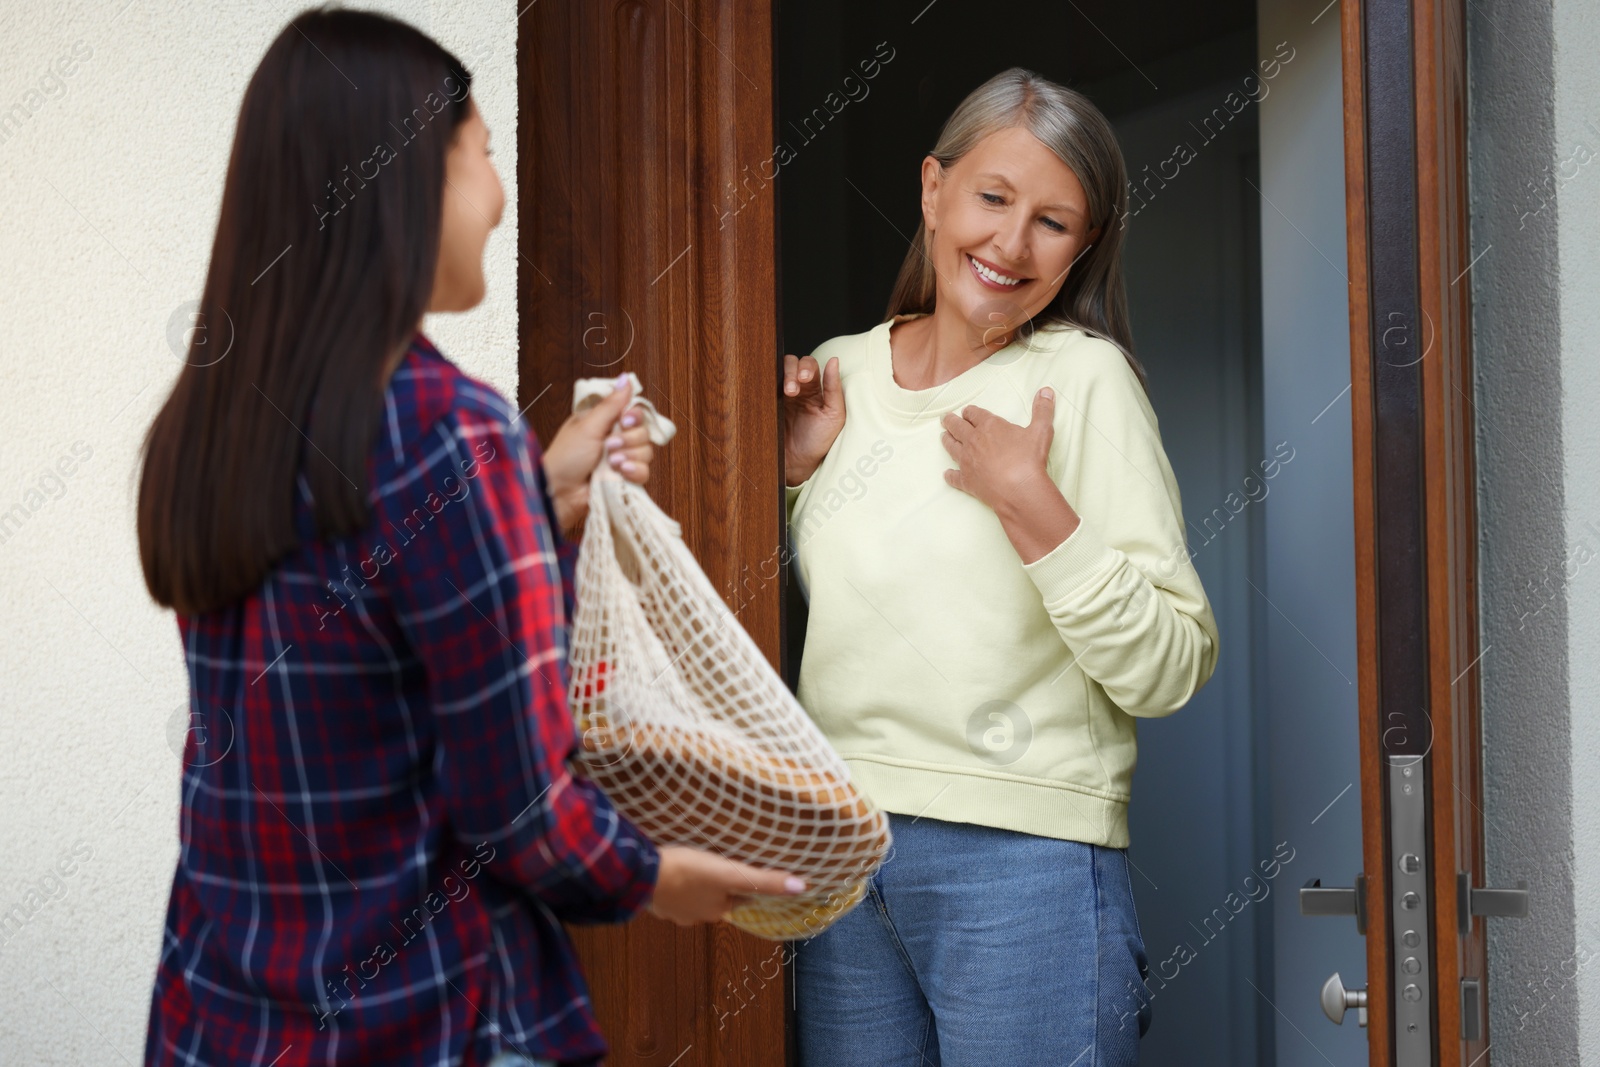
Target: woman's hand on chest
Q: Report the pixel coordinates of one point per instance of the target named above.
(1006, 466)
(998, 461)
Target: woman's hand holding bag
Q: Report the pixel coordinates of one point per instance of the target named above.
(695, 739)
(694, 886)
(572, 455)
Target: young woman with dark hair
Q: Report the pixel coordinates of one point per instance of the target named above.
(370, 558)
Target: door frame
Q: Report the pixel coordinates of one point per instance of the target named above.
(636, 120)
(1405, 105)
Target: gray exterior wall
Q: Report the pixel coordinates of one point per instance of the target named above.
(1533, 146)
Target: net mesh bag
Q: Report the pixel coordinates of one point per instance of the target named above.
(692, 735)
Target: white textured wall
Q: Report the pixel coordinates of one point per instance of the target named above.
(109, 189)
(1576, 173)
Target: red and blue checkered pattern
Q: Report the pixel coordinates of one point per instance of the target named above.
(379, 834)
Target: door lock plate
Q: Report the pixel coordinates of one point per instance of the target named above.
(1410, 927)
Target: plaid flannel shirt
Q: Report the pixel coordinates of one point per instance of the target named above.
(379, 834)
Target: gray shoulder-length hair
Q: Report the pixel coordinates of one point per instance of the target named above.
(1093, 298)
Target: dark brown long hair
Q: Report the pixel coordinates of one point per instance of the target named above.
(321, 270)
(1093, 298)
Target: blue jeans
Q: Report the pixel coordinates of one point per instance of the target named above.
(975, 947)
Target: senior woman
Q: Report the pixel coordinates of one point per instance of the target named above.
(991, 541)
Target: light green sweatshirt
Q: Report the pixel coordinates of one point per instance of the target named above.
(956, 681)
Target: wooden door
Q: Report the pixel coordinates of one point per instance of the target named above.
(646, 245)
(1411, 359)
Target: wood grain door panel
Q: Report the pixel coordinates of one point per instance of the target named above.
(634, 118)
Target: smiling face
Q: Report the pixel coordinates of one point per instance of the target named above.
(1005, 223)
(473, 203)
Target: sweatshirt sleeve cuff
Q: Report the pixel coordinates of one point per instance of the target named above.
(791, 493)
(1071, 563)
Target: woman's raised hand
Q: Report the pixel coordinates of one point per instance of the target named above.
(701, 887)
(606, 431)
(813, 414)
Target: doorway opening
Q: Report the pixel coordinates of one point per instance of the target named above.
(1246, 793)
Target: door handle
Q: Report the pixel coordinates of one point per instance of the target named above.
(1336, 1000)
(1490, 903)
(1318, 899)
